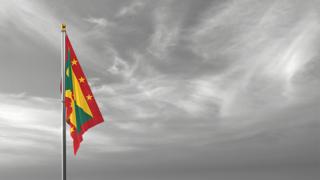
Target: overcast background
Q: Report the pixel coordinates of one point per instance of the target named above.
(189, 89)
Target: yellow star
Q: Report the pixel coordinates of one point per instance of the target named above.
(74, 62)
(89, 97)
(81, 80)
(72, 129)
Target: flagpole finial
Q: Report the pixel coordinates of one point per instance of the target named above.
(63, 27)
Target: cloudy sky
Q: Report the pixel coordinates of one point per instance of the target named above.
(189, 89)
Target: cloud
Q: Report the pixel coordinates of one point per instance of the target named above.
(36, 20)
(119, 66)
(130, 9)
(196, 87)
(101, 22)
(165, 34)
(31, 124)
(260, 51)
(32, 18)
(32, 129)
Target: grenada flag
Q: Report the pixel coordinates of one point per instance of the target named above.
(82, 111)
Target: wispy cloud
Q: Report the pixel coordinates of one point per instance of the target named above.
(165, 34)
(36, 21)
(28, 123)
(31, 127)
(130, 9)
(255, 52)
(100, 22)
(232, 84)
(32, 18)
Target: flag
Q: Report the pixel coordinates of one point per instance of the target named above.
(82, 111)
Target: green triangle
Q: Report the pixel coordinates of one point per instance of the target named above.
(81, 116)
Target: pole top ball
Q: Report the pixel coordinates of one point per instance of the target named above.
(63, 27)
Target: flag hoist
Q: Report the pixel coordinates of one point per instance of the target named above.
(79, 108)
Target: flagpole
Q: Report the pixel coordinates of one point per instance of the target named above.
(63, 56)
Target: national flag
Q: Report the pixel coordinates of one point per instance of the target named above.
(82, 111)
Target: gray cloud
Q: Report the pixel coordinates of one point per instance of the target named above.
(188, 89)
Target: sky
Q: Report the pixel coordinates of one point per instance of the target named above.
(206, 89)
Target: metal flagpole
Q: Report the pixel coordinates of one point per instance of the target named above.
(63, 56)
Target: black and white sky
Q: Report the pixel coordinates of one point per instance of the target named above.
(189, 89)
